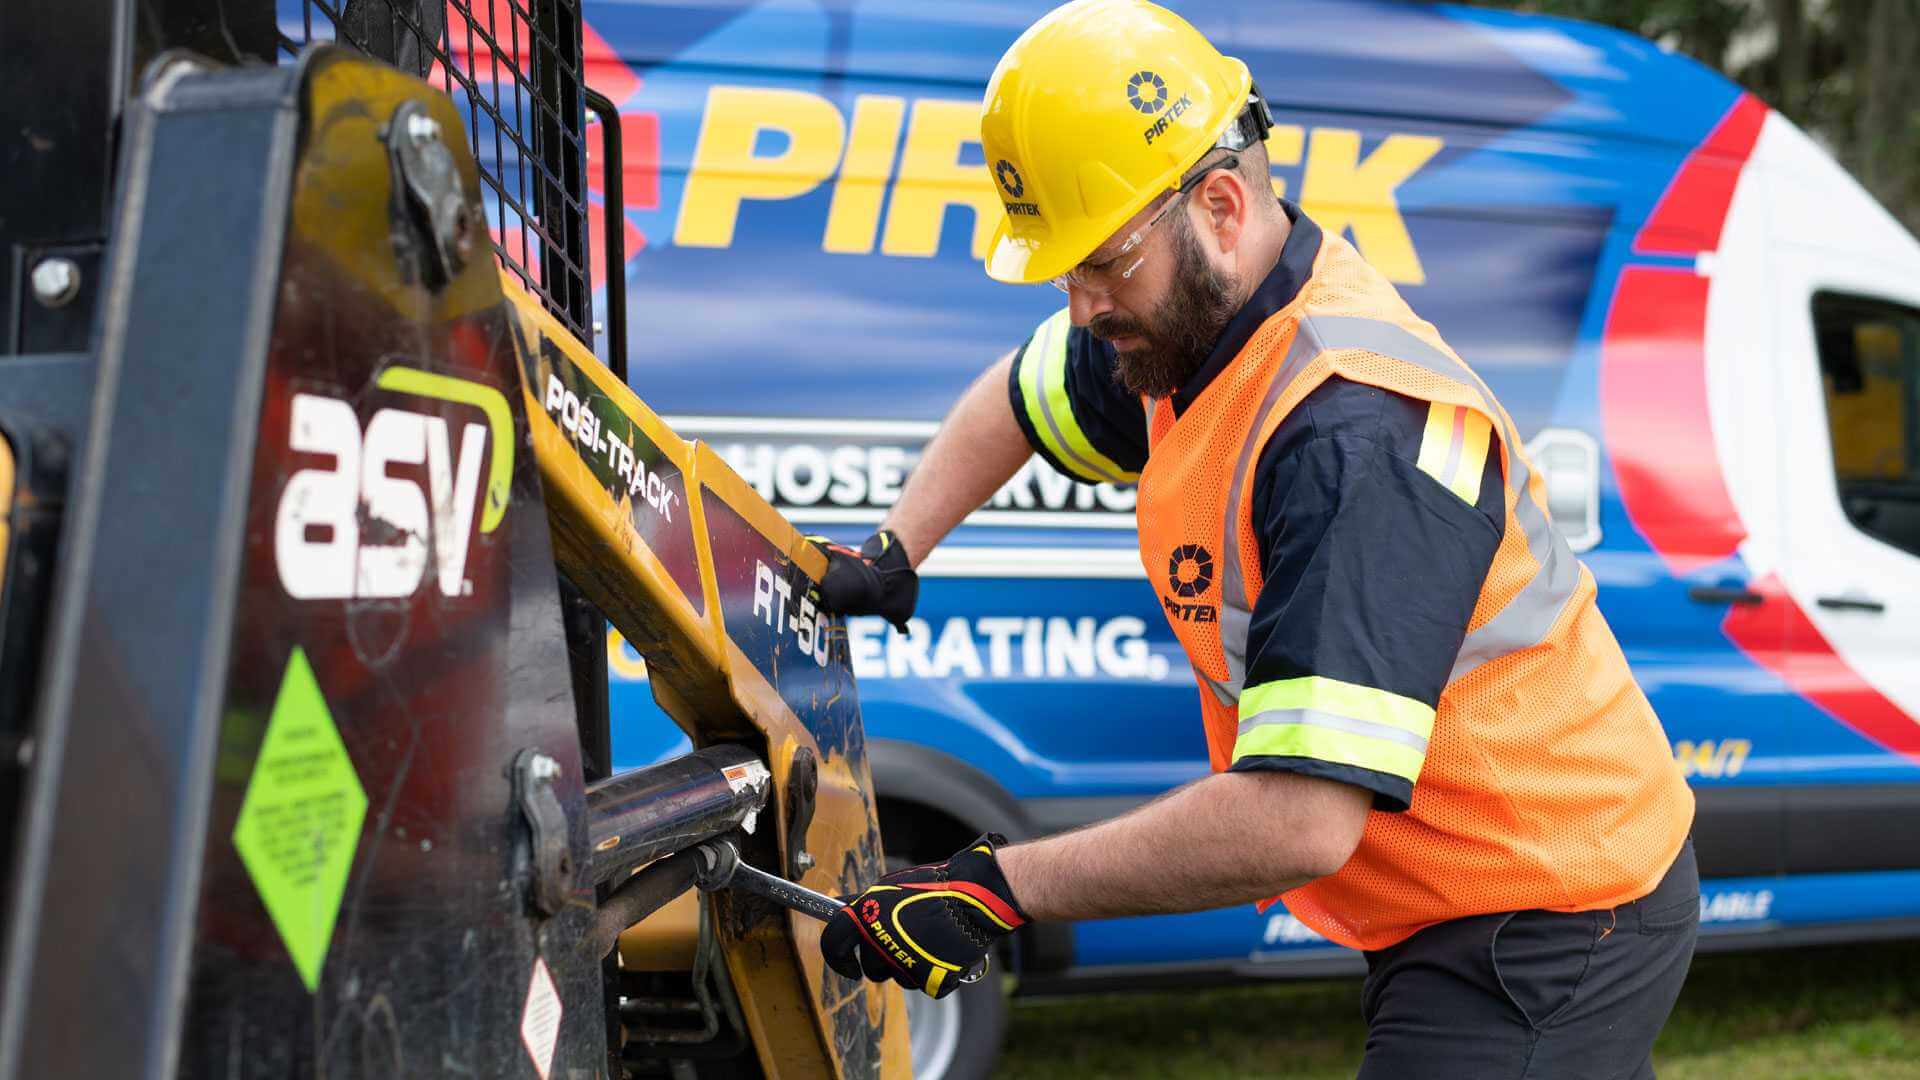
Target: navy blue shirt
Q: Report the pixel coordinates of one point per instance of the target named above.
(1372, 566)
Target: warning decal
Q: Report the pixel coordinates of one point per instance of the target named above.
(540, 1024)
(299, 823)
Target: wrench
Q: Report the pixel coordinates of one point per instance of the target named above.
(722, 868)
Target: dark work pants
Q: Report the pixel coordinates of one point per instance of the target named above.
(1534, 994)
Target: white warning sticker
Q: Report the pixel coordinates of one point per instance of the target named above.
(540, 1023)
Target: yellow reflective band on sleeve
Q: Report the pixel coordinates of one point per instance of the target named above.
(1453, 449)
(1326, 744)
(1043, 389)
(1346, 699)
(1335, 721)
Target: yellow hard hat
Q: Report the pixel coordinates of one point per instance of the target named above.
(1096, 109)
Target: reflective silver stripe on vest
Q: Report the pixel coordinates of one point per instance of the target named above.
(1524, 622)
(1526, 619)
(1236, 612)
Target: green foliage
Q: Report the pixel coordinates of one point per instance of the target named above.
(1848, 71)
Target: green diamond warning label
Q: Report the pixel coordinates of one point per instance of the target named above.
(300, 821)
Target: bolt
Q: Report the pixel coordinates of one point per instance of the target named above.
(422, 128)
(804, 861)
(543, 768)
(56, 281)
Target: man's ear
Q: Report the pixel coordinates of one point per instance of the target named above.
(1224, 203)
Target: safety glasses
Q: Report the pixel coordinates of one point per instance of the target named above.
(1105, 275)
(1109, 273)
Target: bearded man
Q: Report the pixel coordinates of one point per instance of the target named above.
(1426, 740)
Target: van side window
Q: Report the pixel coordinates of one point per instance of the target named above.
(1870, 369)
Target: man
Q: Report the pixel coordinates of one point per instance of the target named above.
(1425, 739)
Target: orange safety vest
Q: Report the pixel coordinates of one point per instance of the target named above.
(1547, 781)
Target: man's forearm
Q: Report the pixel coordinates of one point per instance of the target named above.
(1229, 839)
(977, 449)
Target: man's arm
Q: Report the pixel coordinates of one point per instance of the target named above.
(1228, 839)
(977, 449)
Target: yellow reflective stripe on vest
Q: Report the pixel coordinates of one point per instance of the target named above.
(1043, 390)
(1453, 449)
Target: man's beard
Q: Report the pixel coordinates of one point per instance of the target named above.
(1177, 337)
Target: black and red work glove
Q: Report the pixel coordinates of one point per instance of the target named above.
(876, 580)
(925, 926)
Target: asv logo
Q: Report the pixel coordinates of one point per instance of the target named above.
(352, 530)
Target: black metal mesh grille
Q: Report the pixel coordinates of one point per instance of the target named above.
(514, 66)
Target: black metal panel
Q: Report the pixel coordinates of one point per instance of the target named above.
(30, 515)
(225, 31)
(44, 402)
(208, 669)
(115, 819)
(61, 83)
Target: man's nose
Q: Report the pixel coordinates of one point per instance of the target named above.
(1084, 304)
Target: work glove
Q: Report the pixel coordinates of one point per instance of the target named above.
(876, 580)
(925, 926)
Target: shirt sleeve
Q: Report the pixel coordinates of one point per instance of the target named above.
(1072, 411)
(1378, 520)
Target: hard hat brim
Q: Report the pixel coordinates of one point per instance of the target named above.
(1016, 261)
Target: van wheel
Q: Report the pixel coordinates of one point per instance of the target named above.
(957, 1037)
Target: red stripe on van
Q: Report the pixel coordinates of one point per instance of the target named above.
(1653, 407)
(1688, 218)
(1778, 636)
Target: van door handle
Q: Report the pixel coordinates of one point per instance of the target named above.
(1851, 603)
(1724, 594)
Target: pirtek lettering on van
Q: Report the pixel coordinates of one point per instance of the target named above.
(1159, 127)
(581, 422)
(1024, 209)
(1342, 189)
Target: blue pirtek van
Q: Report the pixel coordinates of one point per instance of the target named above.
(1709, 333)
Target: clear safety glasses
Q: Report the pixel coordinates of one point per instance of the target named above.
(1107, 274)
(1110, 272)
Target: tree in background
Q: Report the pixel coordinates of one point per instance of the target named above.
(1847, 71)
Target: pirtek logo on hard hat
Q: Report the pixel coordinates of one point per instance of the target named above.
(1147, 92)
(1190, 570)
(1009, 177)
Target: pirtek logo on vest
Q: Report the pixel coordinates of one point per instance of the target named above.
(1189, 574)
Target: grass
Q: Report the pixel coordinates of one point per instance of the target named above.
(1840, 1013)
